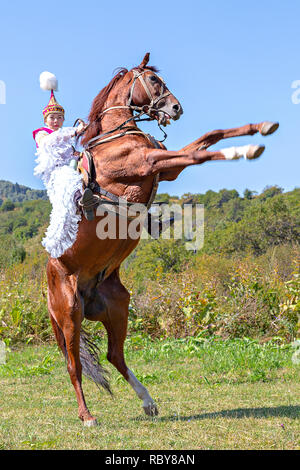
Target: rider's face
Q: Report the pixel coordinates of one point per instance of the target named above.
(55, 121)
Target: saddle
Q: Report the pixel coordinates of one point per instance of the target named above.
(86, 168)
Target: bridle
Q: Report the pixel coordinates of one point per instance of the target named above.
(138, 75)
(148, 109)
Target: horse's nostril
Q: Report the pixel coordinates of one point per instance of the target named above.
(176, 107)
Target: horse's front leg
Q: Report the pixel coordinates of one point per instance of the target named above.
(172, 163)
(211, 138)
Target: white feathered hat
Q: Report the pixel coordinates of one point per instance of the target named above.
(48, 81)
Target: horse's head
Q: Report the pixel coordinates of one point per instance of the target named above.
(148, 92)
(139, 89)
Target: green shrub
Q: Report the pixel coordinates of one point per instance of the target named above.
(7, 206)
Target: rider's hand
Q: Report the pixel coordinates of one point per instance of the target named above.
(80, 127)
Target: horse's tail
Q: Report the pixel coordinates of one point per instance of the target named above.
(91, 367)
(89, 356)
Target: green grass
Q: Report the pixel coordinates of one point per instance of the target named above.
(211, 394)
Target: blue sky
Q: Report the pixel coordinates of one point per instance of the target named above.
(229, 63)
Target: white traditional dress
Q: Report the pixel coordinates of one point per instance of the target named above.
(54, 154)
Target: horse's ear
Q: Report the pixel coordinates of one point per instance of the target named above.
(145, 60)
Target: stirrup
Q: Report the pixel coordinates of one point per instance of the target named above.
(88, 203)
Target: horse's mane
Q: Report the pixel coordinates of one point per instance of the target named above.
(95, 127)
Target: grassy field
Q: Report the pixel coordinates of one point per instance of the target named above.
(211, 394)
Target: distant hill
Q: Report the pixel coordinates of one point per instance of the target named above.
(16, 192)
(233, 224)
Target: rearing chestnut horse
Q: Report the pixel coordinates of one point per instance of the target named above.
(84, 282)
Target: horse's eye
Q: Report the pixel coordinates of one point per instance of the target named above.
(153, 78)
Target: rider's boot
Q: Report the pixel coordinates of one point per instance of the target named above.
(88, 201)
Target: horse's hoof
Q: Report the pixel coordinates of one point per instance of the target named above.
(151, 409)
(268, 128)
(254, 151)
(89, 423)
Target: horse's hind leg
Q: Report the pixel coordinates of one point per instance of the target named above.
(59, 336)
(66, 316)
(112, 310)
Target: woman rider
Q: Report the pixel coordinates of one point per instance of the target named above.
(56, 166)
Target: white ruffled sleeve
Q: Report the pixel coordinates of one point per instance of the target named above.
(55, 150)
(40, 136)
